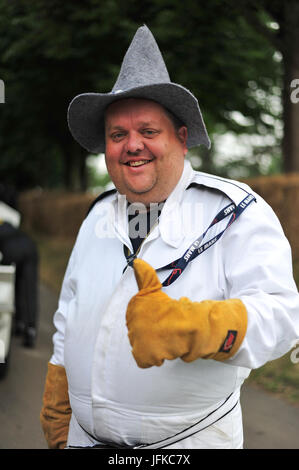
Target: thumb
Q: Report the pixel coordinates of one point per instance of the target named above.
(146, 276)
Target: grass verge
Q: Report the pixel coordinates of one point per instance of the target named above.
(279, 377)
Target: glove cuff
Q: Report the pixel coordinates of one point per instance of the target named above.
(233, 326)
(56, 411)
(218, 326)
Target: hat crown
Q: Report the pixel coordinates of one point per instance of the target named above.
(143, 63)
(143, 74)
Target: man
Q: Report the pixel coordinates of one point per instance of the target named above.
(16, 247)
(158, 328)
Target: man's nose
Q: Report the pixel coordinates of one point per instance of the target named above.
(134, 143)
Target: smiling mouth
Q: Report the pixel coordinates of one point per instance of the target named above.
(138, 163)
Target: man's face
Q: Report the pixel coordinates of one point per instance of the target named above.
(144, 152)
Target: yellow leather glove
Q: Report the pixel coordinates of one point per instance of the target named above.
(162, 328)
(56, 411)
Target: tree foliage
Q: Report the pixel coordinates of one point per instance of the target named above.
(51, 51)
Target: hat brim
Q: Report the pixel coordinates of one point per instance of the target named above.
(86, 113)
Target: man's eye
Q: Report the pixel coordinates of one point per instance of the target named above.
(149, 132)
(117, 136)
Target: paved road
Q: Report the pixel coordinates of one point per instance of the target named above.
(269, 423)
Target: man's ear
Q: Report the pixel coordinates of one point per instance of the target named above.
(183, 135)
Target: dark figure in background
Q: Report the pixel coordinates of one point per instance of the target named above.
(17, 248)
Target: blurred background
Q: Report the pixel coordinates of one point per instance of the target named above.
(240, 59)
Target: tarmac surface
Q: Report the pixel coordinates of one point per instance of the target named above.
(269, 422)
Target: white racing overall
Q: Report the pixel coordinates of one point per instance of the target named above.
(115, 401)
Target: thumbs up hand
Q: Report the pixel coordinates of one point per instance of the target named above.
(160, 327)
(151, 320)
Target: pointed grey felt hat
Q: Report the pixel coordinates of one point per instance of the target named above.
(143, 74)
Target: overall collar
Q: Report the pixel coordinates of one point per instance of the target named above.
(170, 217)
(171, 226)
